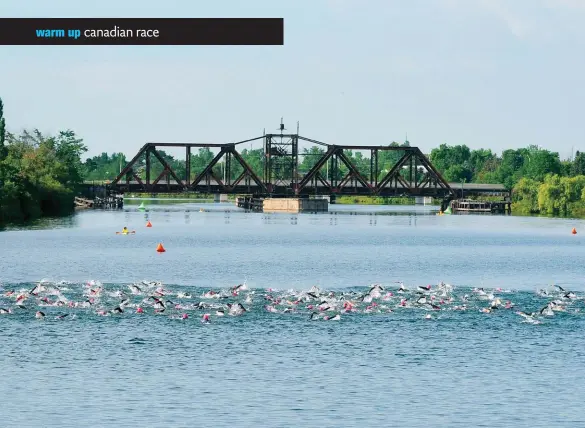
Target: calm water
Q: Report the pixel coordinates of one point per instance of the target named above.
(461, 368)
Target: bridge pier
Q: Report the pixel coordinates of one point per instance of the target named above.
(294, 205)
(423, 200)
(282, 205)
(220, 197)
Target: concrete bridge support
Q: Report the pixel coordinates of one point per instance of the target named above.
(220, 197)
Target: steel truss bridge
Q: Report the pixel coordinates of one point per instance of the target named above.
(333, 172)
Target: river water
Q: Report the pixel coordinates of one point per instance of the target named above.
(386, 366)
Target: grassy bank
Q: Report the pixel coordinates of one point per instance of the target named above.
(197, 196)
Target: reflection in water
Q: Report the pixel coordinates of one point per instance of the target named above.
(167, 209)
(187, 217)
(383, 213)
(45, 223)
(278, 219)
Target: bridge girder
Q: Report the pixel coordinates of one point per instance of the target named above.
(343, 177)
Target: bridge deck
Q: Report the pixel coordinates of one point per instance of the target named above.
(455, 186)
(283, 188)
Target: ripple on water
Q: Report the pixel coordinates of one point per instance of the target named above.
(459, 369)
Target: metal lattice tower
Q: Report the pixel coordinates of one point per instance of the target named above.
(281, 159)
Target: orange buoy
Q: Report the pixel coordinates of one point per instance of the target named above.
(148, 224)
(160, 248)
(574, 231)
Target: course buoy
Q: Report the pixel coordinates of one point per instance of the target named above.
(148, 224)
(160, 248)
(142, 207)
(574, 231)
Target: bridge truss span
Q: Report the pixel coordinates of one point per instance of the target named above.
(331, 170)
(279, 168)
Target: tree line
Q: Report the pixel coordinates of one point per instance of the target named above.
(541, 182)
(41, 174)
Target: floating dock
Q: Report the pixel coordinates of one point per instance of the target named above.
(472, 206)
(109, 202)
(282, 205)
(82, 203)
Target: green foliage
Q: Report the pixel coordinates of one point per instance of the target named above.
(39, 175)
(104, 166)
(577, 167)
(539, 163)
(372, 200)
(525, 196)
(556, 195)
(3, 151)
(457, 162)
(68, 150)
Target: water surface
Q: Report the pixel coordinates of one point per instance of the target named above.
(283, 370)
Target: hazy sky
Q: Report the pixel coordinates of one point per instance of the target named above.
(487, 73)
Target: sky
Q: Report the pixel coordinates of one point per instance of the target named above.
(494, 74)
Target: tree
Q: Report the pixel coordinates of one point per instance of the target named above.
(68, 149)
(539, 162)
(3, 150)
(482, 161)
(255, 160)
(446, 156)
(510, 169)
(578, 165)
(457, 174)
(526, 195)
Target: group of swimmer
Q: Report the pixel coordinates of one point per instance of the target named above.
(66, 300)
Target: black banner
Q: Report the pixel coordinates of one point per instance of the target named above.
(141, 31)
